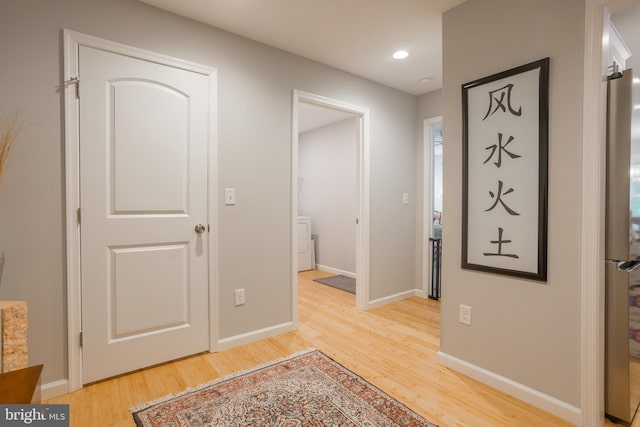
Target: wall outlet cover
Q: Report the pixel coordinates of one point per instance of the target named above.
(239, 297)
(465, 315)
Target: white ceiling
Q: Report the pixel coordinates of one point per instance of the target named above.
(357, 36)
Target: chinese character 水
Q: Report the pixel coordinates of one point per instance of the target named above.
(500, 147)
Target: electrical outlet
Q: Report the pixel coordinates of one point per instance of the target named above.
(239, 297)
(465, 315)
(405, 198)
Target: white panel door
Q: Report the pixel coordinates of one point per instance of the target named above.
(143, 191)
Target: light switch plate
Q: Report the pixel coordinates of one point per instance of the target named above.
(229, 196)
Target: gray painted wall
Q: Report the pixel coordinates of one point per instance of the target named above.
(526, 331)
(328, 194)
(255, 92)
(429, 105)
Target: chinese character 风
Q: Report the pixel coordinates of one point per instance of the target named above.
(497, 101)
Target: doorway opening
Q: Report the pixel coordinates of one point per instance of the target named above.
(343, 246)
(432, 208)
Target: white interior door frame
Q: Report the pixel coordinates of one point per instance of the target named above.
(72, 42)
(592, 301)
(362, 233)
(427, 199)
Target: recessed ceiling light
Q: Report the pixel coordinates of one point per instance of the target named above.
(400, 54)
(425, 80)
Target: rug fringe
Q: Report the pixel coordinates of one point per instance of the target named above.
(168, 397)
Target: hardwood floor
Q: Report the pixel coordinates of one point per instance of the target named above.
(393, 347)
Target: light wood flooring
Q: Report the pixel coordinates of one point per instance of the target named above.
(393, 347)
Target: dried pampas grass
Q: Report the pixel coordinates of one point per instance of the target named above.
(9, 131)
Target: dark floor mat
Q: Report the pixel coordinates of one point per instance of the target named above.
(339, 282)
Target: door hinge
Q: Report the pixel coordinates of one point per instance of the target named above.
(208, 228)
(357, 221)
(74, 81)
(81, 339)
(79, 216)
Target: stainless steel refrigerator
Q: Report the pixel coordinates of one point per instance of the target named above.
(622, 252)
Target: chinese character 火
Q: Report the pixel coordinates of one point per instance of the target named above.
(498, 198)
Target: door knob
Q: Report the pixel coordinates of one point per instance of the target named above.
(200, 228)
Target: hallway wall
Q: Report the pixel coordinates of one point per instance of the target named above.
(328, 193)
(255, 85)
(523, 331)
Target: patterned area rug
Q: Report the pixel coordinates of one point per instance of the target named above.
(306, 389)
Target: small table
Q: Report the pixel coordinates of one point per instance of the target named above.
(21, 386)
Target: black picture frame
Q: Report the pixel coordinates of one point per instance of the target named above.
(505, 120)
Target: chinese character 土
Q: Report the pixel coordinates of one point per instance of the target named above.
(497, 101)
(498, 199)
(500, 242)
(500, 147)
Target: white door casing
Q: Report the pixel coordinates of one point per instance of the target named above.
(362, 231)
(143, 158)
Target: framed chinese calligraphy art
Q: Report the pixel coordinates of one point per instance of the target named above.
(504, 183)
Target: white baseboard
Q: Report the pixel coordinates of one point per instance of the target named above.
(260, 334)
(393, 298)
(335, 271)
(60, 387)
(422, 293)
(543, 401)
(54, 389)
